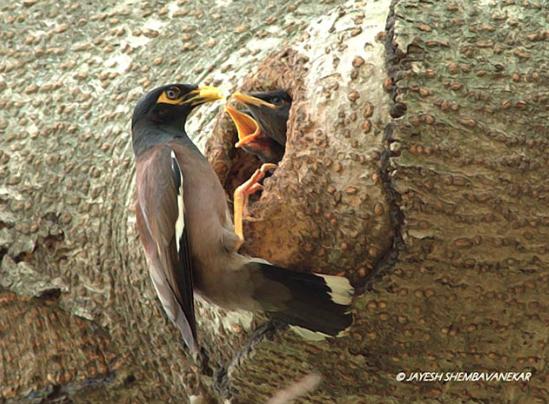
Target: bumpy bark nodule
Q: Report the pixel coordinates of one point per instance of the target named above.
(415, 166)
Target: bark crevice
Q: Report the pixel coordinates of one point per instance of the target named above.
(387, 261)
(222, 380)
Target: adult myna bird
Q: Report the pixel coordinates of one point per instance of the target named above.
(185, 226)
(261, 126)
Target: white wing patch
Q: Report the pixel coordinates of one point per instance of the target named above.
(341, 290)
(310, 335)
(180, 222)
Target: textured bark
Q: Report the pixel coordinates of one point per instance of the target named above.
(416, 163)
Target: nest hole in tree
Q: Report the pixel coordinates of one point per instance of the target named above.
(281, 71)
(248, 158)
(323, 210)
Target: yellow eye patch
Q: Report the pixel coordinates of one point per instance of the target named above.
(164, 99)
(195, 97)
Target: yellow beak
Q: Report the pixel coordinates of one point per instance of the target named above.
(249, 100)
(204, 94)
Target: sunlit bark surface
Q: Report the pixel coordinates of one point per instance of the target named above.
(416, 165)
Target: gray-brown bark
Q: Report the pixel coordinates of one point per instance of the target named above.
(448, 198)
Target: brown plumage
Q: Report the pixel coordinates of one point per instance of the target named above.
(185, 226)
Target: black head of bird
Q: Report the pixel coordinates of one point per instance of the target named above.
(262, 125)
(161, 114)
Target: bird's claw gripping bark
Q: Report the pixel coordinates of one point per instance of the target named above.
(242, 193)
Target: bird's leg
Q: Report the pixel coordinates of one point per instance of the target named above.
(243, 192)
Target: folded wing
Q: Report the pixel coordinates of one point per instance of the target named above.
(161, 224)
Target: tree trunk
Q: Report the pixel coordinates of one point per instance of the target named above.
(415, 166)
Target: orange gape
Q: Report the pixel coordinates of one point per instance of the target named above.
(246, 127)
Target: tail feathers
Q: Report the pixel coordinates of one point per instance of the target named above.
(318, 305)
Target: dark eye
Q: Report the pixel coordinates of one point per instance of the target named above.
(172, 93)
(276, 100)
